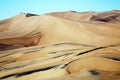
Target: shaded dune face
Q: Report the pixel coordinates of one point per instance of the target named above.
(61, 46)
(61, 61)
(62, 27)
(113, 16)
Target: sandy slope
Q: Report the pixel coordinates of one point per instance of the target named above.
(60, 46)
(47, 29)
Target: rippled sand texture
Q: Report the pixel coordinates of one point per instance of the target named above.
(61, 46)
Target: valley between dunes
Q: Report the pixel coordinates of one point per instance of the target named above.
(61, 46)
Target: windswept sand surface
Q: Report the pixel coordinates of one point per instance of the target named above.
(61, 46)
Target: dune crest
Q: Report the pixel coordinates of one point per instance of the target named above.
(61, 46)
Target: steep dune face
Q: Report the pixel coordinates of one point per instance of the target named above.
(72, 15)
(109, 16)
(61, 46)
(47, 29)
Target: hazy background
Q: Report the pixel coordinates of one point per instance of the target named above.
(9, 8)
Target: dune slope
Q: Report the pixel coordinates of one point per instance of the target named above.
(61, 46)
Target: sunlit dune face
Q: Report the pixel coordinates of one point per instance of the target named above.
(61, 46)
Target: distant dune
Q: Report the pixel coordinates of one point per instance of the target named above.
(61, 46)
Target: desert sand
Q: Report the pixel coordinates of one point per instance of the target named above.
(61, 46)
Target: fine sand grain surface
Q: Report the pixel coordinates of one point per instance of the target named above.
(61, 46)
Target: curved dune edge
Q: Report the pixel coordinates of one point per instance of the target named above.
(61, 46)
(37, 30)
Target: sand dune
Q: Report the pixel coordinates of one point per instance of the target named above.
(61, 46)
